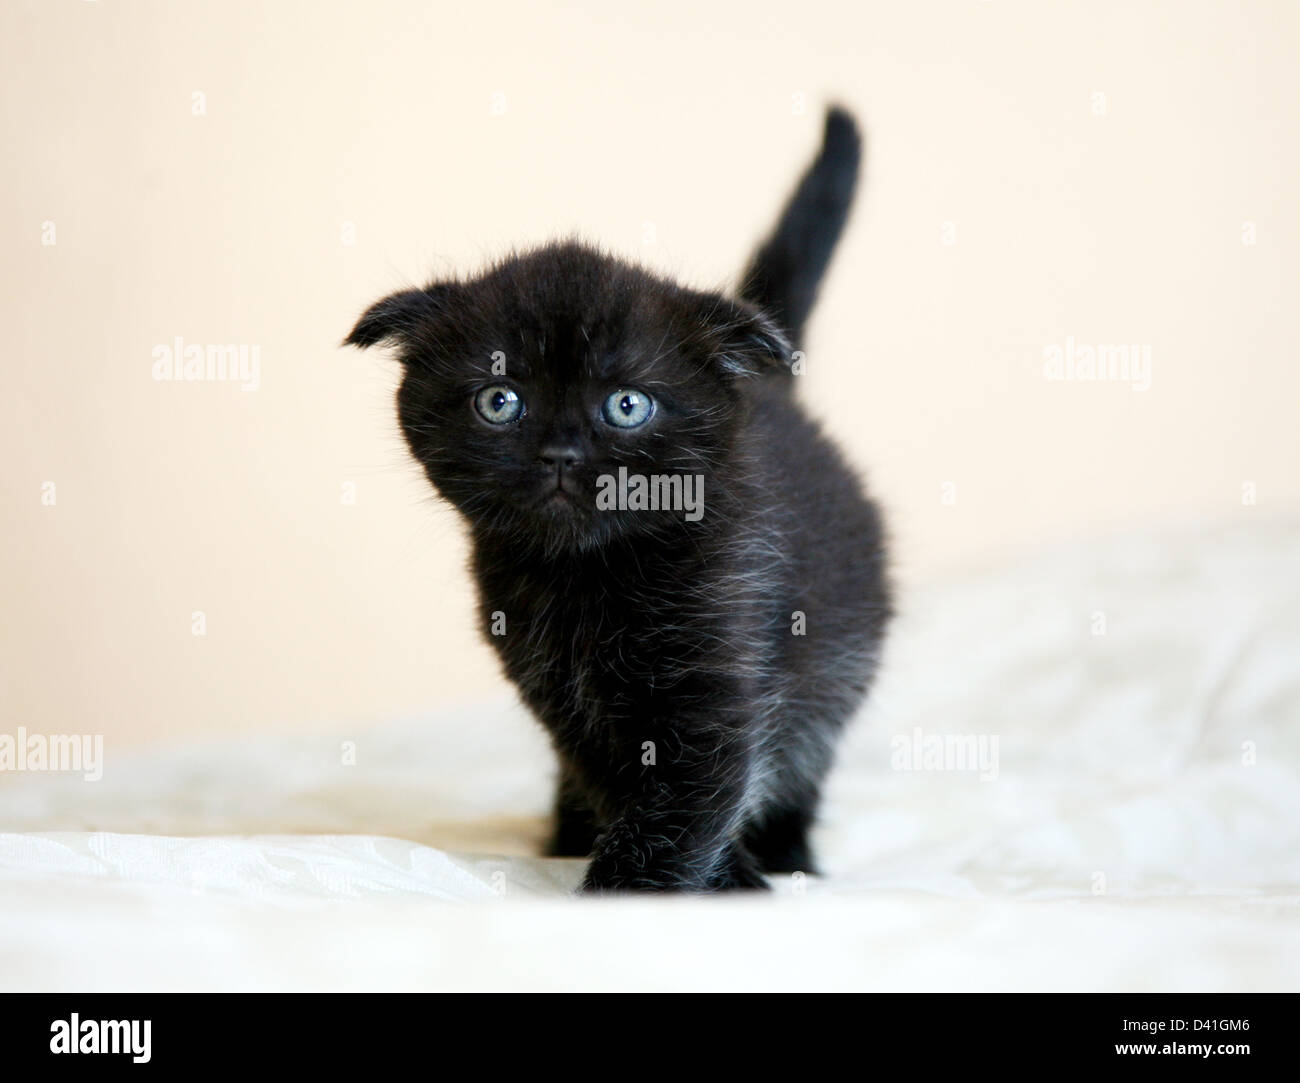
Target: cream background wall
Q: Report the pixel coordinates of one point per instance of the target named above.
(256, 173)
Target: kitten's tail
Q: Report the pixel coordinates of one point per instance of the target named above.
(785, 272)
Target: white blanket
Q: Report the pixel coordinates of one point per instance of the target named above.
(1142, 831)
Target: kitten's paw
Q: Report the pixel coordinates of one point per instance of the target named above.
(739, 872)
(604, 880)
(623, 861)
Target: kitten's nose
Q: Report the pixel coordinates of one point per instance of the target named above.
(564, 456)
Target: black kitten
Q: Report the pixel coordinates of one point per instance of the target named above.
(694, 670)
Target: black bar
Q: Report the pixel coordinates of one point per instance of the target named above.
(338, 1031)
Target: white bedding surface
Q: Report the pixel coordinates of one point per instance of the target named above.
(268, 864)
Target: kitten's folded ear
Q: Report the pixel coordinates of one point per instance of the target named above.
(401, 317)
(747, 341)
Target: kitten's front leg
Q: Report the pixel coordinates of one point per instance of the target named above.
(574, 831)
(677, 830)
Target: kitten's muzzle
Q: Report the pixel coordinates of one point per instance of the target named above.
(559, 463)
(559, 456)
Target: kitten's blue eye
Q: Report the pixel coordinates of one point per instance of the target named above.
(498, 404)
(627, 409)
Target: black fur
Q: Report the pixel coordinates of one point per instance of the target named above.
(693, 723)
